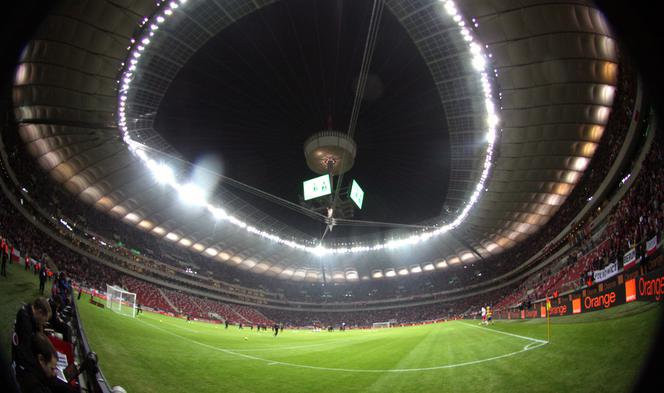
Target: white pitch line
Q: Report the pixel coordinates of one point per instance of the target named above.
(278, 348)
(531, 344)
(509, 334)
(271, 362)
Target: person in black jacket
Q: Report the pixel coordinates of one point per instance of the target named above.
(39, 378)
(30, 320)
(43, 276)
(29, 323)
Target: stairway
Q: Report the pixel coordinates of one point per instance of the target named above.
(168, 301)
(240, 315)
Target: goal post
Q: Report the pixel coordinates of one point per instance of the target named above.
(386, 324)
(380, 325)
(120, 301)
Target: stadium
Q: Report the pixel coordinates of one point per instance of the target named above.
(331, 196)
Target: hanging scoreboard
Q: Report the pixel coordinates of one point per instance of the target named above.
(356, 194)
(317, 187)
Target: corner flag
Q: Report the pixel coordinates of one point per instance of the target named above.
(548, 319)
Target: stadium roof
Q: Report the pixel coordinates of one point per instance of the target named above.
(553, 63)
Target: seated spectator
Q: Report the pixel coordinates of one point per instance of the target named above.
(30, 321)
(38, 379)
(57, 322)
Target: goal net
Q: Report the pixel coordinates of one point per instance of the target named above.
(121, 301)
(378, 325)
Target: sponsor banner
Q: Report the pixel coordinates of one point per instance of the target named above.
(630, 290)
(651, 246)
(561, 308)
(603, 299)
(650, 287)
(629, 259)
(609, 271)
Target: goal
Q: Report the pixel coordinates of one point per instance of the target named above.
(121, 301)
(378, 325)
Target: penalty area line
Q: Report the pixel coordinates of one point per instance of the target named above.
(506, 333)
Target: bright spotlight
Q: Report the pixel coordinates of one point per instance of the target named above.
(163, 174)
(491, 135)
(479, 62)
(191, 194)
(217, 212)
(319, 251)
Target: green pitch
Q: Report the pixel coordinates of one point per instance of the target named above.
(153, 353)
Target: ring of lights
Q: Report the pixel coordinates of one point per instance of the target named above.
(166, 175)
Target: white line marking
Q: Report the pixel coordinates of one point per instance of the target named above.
(279, 348)
(271, 362)
(531, 344)
(509, 334)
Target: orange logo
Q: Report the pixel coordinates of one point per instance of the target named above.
(654, 287)
(576, 306)
(630, 290)
(560, 310)
(605, 300)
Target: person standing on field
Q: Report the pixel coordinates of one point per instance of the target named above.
(42, 278)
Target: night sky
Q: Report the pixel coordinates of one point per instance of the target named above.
(254, 93)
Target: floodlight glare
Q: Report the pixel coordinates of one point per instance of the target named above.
(163, 174)
(191, 194)
(491, 135)
(217, 212)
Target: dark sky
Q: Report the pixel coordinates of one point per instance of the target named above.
(254, 93)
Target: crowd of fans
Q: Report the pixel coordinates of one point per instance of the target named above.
(40, 327)
(90, 274)
(640, 213)
(637, 218)
(35, 246)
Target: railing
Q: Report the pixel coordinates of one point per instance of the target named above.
(93, 379)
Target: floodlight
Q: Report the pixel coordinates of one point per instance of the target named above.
(191, 194)
(217, 212)
(163, 174)
(491, 135)
(172, 236)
